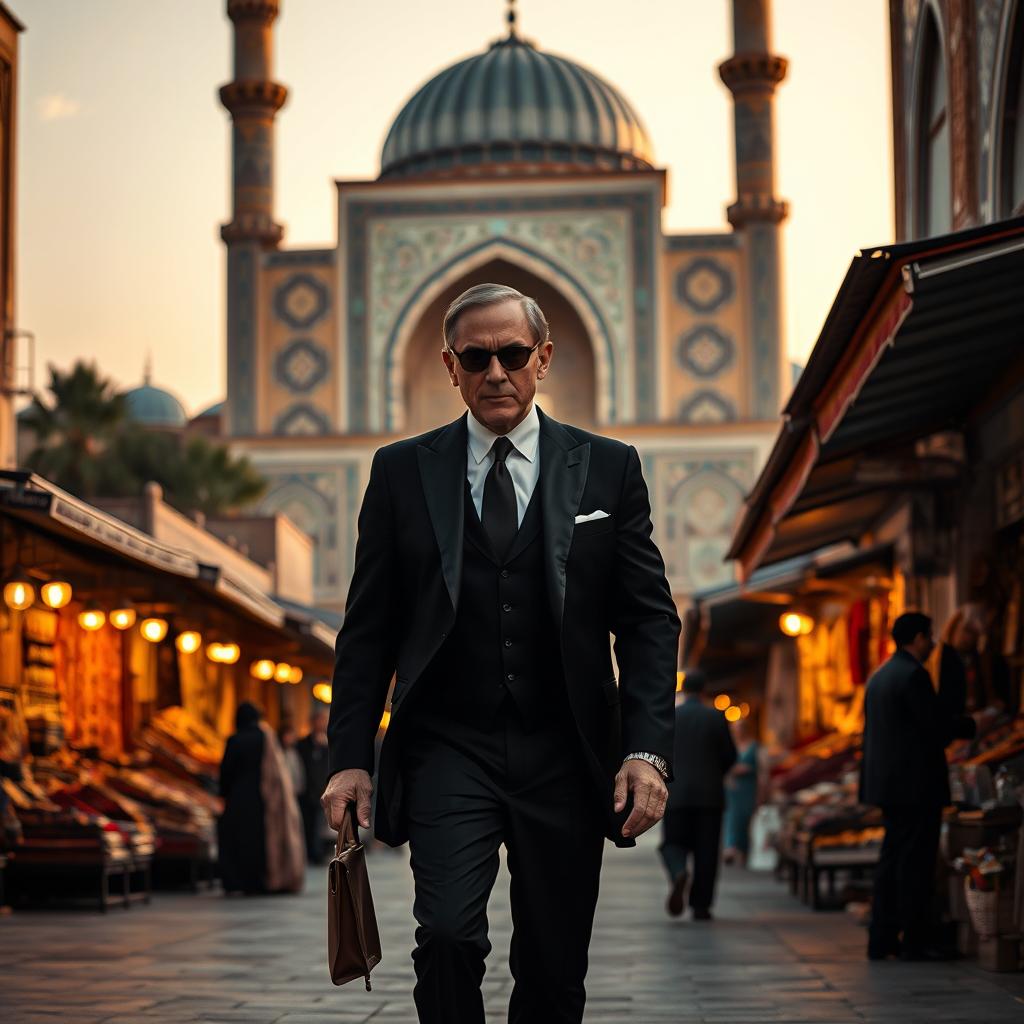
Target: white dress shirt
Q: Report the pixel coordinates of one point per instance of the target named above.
(523, 461)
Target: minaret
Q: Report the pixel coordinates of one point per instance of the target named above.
(253, 98)
(752, 74)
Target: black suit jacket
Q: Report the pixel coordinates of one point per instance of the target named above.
(604, 576)
(906, 730)
(704, 752)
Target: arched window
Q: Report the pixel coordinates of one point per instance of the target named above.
(1013, 124)
(934, 204)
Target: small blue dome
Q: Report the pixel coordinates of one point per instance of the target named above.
(154, 407)
(515, 105)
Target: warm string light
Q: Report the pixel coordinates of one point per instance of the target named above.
(323, 692)
(19, 593)
(282, 672)
(123, 617)
(223, 654)
(55, 594)
(92, 618)
(153, 630)
(723, 701)
(796, 623)
(262, 669)
(189, 641)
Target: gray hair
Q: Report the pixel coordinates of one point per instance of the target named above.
(491, 295)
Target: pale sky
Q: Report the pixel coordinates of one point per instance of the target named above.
(123, 159)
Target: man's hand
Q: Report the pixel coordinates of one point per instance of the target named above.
(649, 791)
(352, 785)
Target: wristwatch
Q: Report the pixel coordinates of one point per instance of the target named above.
(659, 762)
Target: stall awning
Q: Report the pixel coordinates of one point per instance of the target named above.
(918, 336)
(40, 503)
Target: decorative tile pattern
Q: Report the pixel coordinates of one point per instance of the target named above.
(705, 351)
(301, 301)
(323, 501)
(707, 406)
(704, 285)
(302, 420)
(601, 246)
(695, 499)
(301, 365)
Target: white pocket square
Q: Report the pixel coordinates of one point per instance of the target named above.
(591, 516)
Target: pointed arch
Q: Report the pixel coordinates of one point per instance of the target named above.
(609, 378)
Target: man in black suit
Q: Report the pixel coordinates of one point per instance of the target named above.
(704, 752)
(495, 556)
(904, 772)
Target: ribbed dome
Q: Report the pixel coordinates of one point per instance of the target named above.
(154, 407)
(515, 105)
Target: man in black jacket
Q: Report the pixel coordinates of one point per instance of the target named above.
(704, 752)
(495, 556)
(904, 772)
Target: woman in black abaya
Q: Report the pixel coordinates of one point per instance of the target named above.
(241, 829)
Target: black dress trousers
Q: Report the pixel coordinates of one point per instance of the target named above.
(695, 831)
(468, 790)
(904, 880)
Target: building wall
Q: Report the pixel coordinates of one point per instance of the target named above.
(705, 363)
(981, 45)
(300, 356)
(9, 30)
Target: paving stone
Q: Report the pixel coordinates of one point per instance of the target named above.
(764, 960)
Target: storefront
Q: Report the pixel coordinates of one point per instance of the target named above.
(123, 660)
(905, 433)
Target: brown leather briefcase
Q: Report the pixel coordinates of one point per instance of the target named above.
(353, 942)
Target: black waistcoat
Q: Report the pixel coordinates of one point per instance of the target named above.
(503, 645)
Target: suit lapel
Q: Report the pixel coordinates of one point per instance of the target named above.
(443, 475)
(563, 474)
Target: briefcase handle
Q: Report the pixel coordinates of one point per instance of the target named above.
(348, 834)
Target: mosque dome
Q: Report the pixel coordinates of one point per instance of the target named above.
(153, 407)
(514, 107)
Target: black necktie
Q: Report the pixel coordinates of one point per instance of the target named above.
(500, 518)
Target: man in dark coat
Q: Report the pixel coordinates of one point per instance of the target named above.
(904, 772)
(704, 752)
(312, 749)
(495, 556)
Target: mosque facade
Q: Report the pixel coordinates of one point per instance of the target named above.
(519, 166)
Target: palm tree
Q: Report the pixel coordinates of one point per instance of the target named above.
(74, 431)
(208, 479)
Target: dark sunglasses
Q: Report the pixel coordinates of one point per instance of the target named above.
(476, 360)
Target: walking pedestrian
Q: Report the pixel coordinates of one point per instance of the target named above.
(692, 828)
(258, 834)
(741, 793)
(904, 772)
(313, 750)
(495, 556)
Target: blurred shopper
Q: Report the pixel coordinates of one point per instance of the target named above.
(313, 750)
(288, 738)
(741, 793)
(259, 835)
(973, 678)
(704, 752)
(904, 772)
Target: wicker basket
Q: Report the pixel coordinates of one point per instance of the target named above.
(991, 912)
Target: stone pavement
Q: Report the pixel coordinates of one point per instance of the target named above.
(206, 958)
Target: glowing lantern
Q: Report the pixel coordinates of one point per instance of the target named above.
(262, 669)
(295, 675)
(229, 654)
(91, 618)
(796, 623)
(323, 692)
(680, 679)
(153, 630)
(19, 593)
(733, 714)
(722, 701)
(56, 593)
(189, 641)
(283, 672)
(123, 618)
